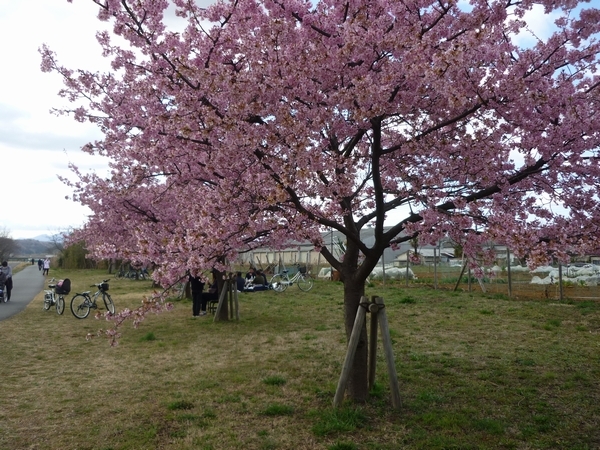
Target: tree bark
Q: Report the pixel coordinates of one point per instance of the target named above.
(223, 313)
(357, 388)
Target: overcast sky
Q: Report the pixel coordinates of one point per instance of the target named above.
(35, 146)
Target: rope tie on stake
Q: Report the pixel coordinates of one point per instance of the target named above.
(366, 305)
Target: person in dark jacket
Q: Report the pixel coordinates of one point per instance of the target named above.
(260, 281)
(240, 281)
(8, 282)
(197, 286)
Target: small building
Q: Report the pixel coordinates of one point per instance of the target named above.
(427, 256)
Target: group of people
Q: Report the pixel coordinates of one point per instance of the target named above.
(255, 280)
(199, 298)
(6, 276)
(6, 281)
(43, 265)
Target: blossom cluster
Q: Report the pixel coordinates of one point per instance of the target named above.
(265, 122)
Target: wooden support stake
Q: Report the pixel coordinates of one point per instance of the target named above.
(389, 353)
(407, 266)
(378, 315)
(236, 301)
(435, 258)
(372, 343)
(481, 285)
(509, 272)
(469, 279)
(462, 272)
(560, 282)
(230, 298)
(359, 320)
(222, 299)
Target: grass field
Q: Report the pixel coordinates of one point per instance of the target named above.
(476, 372)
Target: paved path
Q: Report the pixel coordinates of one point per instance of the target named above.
(26, 285)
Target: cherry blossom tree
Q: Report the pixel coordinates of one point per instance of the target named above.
(263, 120)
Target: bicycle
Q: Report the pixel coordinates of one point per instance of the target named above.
(56, 295)
(281, 281)
(134, 274)
(82, 302)
(179, 289)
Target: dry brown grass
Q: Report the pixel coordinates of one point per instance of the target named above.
(60, 391)
(476, 372)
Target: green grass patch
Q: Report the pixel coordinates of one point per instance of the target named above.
(180, 404)
(345, 419)
(278, 410)
(274, 380)
(150, 336)
(343, 446)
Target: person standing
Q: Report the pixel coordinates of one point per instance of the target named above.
(46, 266)
(8, 282)
(197, 286)
(212, 294)
(40, 264)
(240, 281)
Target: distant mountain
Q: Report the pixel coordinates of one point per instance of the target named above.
(47, 238)
(34, 248)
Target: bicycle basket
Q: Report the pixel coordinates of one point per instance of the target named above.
(104, 286)
(302, 270)
(63, 287)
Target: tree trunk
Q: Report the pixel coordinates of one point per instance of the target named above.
(224, 311)
(357, 387)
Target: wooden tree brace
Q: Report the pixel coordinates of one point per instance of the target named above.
(377, 309)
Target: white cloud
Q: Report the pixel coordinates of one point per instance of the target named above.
(36, 146)
(539, 26)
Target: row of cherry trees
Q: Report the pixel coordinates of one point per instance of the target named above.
(265, 120)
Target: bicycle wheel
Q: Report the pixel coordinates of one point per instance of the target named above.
(47, 302)
(278, 283)
(305, 283)
(60, 305)
(80, 306)
(110, 306)
(179, 290)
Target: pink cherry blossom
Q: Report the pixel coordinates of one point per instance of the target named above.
(266, 121)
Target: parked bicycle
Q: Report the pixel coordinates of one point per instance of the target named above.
(281, 281)
(134, 274)
(178, 289)
(55, 296)
(82, 302)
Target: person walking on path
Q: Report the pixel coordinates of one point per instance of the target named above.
(46, 266)
(28, 284)
(8, 281)
(40, 264)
